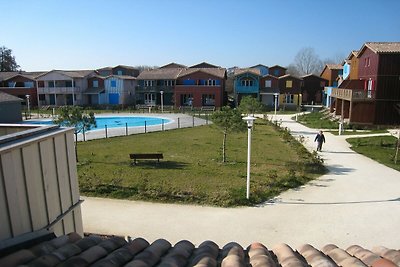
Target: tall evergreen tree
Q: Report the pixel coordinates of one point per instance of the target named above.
(7, 60)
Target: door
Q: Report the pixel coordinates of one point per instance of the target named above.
(149, 99)
(113, 99)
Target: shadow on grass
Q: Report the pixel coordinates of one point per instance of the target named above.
(153, 164)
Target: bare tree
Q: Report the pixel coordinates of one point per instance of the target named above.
(307, 61)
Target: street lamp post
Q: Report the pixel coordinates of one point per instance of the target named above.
(276, 102)
(28, 105)
(162, 101)
(250, 122)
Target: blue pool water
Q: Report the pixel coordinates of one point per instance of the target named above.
(115, 122)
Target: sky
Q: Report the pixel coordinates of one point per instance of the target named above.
(90, 34)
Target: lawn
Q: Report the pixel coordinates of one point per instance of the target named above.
(191, 171)
(379, 148)
(317, 120)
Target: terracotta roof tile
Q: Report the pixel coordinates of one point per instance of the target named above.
(160, 74)
(72, 250)
(217, 72)
(251, 70)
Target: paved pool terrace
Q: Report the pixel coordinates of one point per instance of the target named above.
(177, 120)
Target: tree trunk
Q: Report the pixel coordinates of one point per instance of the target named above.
(223, 147)
(76, 147)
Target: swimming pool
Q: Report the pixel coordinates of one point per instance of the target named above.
(116, 122)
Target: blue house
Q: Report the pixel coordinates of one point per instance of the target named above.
(246, 82)
(264, 70)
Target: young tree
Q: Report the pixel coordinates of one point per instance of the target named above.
(228, 120)
(250, 105)
(73, 116)
(7, 60)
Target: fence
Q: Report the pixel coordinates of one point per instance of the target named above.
(172, 121)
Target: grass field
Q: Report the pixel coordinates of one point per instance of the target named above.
(317, 120)
(191, 171)
(379, 148)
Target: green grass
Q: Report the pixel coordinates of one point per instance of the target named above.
(379, 148)
(317, 120)
(191, 171)
(355, 132)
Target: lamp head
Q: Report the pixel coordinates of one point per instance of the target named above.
(161, 92)
(250, 121)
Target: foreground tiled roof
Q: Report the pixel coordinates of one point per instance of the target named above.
(384, 47)
(72, 250)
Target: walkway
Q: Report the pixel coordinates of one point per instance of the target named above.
(357, 202)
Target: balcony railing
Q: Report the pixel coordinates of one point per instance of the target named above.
(59, 90)
(353, 95)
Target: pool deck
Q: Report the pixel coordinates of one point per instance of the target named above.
(178, 120)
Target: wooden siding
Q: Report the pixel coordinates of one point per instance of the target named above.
(38, 183)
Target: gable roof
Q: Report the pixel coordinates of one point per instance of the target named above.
(254, 71)
(204, 65)
(11, 74)
(353, 53)
(217, 72)
(269, 75)
(289, 76)
(381, 47)
(4, 98)
(173, 65)
(258, 65)
(122, 77)
(73, 250)
(160, 74)
(125, 67)
(277, 66)
(70, 73)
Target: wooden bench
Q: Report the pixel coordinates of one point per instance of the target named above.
(156, 156)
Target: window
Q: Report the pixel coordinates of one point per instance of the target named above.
(367, 62)
(370, 88)
(276, 72)
(210, 82)
(11, 84)
(208, 100)
(169, 83)
(113, 83)
(28, 84)
(119, 72)
(289, 99)
(42, 97)
(289, 84)
(68, 83)
(51, 83)
(268, 83)
(187, 100)
(148, 83)
(247, 82)
(95, 84)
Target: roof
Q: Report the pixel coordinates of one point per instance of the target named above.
(277, 66)
(255, 71)
(381, 47)
(352, 84)
(70, 73)
(160, 74)
(173, 65)
(8, 98)
(217, 72)
(353, 53)
(125, 67)
(73, 250)
(11, 74)
(269, 75)
(289, 76)
(258, 65)
(122, 77)
(204, 65)
(334, 66)
(106, 68)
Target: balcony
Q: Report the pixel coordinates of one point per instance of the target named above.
(353, 94)
(59, 90)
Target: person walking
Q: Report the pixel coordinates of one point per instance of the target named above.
(320, 138)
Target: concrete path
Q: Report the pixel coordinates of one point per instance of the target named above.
(357, 202)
